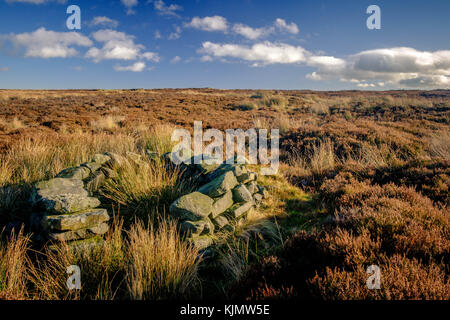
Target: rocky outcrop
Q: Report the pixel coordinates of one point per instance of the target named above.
(229, 192)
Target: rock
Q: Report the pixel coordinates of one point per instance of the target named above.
(192, 228)
(252, 187)
(74, 173)
(194, 206)
(220, 185)
(96, 181)
(222, 204)
(79, 234)
(241, 194)
(100, 158)
(247, 177)
(258, 197)
(220, 222)
(240, 209)
(109, 173)
(263, 191)
(92, 166)
(116, 160)
(209, 227)
(81, 246)
(201, 242)
(62, 195)
(82, 220)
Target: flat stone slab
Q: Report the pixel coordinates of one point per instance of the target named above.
(79, 173)
(241, 194)
(222, 204)
(240, 209)
(76, 221)
(79, 234)
(62, 195)
(219, 185)
(193, 206)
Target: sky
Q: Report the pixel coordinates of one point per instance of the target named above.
(230, 44)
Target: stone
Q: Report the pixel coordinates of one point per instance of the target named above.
(220, 222)
(192, 228)
(205, 164)
(74, 173)
(79, 234)
(100, 158)
(222, 204)
(193, 206)
(263, 191)
(252, 187)
(257, 197)
(247, 177)
(220, 185)
(240, 209)
(116, 159)
(209, 227)
(62, 195)
(201, 242)
(96, 181)
(109, 173)
(82, 220)
(241, 194)
(92, 166)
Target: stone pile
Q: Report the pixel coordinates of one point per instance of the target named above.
(65, 207)
(229, 192)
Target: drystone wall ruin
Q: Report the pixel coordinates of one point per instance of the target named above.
(66, 208)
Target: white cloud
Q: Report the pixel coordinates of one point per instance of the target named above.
(176, 34)
(282, 25)
(260, 53)
(130, 4)
(401, 67)
(168, 10)
(175, 59)
(118, 45)
(135, 67)
(105, 22)
(249, 32)
(214, 23)
(35, 1)
(157, 34)
(50, 44)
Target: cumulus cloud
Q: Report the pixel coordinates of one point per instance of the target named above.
(135, 67)
(249, 32)
(260, 53)
(402, 66)
(214, 23)
(43, 43)
(282, 25)
(130, 4)
(169, 10)
(175, 59)
(176, 34)
(104, 22)
(119, 46)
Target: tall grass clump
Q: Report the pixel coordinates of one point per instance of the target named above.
(13, 266)
(158, 139)
(161, 265)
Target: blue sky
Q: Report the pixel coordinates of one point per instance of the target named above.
(321, 45)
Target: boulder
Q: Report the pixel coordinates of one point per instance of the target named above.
(192, 228)
(201, 242)
(222, 204)
(239, 209)
(79, 173)
(247, 177)
(220, 222)
(100, 158)
(92, 166)
(79, 234)
(116, 160)
(62, 195)
(219, 185)
(82, 220)
(194, 206)
(241, 194)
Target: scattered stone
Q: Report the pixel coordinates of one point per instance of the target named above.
(75, 221)
(194, 206)
(79, 234)
(241, 194)
(220, 185)
(222, 204)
